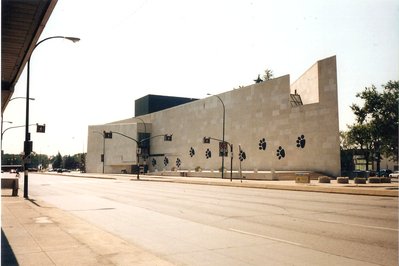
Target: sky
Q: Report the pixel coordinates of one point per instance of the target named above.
(131, 48)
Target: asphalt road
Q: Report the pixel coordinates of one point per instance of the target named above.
(213, 225)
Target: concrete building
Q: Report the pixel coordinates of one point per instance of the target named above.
(272, 126)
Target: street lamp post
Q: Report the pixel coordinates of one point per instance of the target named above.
(2, 120)
(167, 137)
(28, 142)
(208, 139)
(103, 134)
(143, 148)
(224, 124)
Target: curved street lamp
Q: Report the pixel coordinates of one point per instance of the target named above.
(2, 121)
(224, 125)
(103, 155)
(28, 142)
(146, 150)
(32, 99)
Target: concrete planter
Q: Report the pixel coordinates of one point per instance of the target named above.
(360, 180)
(302, 178)
(343, 180)
(324, 179)
(374, 180)
(385, 180)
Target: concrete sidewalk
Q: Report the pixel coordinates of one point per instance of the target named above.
(33, 233)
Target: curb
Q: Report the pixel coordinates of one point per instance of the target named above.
(365, 190)
(297, 187)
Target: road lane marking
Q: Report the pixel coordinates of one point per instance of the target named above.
(361, 225)
(266, 237)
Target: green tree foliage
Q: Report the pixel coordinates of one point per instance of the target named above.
(347, 164)
(268, 74)
(57, 161)
(76, 161)
(377, 120)
(11, 159)
(360, 136)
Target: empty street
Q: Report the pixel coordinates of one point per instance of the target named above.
(189, 224)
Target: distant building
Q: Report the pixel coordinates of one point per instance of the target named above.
(272, 125)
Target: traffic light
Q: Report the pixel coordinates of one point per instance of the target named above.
(41, 128)
(206, 140)
(28, 147)
(108, 135)
(167, 137)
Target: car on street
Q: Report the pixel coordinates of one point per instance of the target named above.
(61, 170)
(395, 174)
(384, 172)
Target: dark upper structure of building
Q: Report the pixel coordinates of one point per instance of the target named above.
(154, 103)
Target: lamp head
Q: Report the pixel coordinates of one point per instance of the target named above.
(73, 39)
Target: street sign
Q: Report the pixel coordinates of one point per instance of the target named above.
(40, 128)
(108, 135)
(223, 151)
(167, 137)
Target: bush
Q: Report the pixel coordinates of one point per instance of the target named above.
(324, 179)
(343, 180)
(198, 169)
(360, 180)
(385, 180)
(374, 179)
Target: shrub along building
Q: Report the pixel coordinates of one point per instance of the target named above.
(272, 127)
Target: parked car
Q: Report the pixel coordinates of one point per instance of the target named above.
(60, 170)
(384, 172)
(395, 174)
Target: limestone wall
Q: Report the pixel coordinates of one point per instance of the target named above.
(258, 118)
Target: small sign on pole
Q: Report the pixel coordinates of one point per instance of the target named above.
(40, 128)
(223, 151)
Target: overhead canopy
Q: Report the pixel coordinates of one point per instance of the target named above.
(22, 23)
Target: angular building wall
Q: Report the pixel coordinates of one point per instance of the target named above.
(273, 134)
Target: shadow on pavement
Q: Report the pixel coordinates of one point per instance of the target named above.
(7, 254)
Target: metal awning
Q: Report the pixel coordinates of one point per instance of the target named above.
(22, 23)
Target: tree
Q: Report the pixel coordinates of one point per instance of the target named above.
(57, 161)
(39, 160)
(376, 127)
(11, 159)
(360, 136)
(268, 74)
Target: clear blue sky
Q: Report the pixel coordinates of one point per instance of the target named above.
(129, 49)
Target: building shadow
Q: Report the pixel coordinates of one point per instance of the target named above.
(7, 254)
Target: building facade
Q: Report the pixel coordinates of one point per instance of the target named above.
(270, 126)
